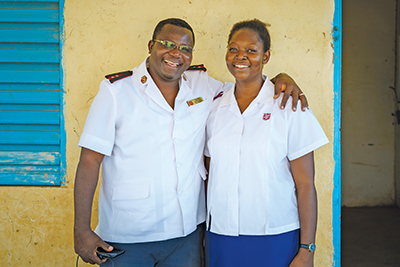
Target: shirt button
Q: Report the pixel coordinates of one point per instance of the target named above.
(178, 165)
(177, 140)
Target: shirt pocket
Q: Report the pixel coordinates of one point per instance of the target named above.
(198, 114)
(131, 196)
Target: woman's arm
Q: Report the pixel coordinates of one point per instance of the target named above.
(303, 176)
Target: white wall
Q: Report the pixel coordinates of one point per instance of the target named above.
(368, 103)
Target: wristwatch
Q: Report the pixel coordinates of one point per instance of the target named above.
(310, 247)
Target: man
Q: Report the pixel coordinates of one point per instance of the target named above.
(146, 128)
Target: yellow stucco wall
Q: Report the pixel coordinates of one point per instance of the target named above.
(105, 36)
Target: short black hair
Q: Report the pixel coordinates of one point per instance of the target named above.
(255, 25)
(172, 21)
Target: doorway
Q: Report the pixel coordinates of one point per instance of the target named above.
(370, 126)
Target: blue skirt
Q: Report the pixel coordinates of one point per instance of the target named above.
(245, 250)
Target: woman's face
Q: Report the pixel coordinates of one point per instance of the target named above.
(245, 56)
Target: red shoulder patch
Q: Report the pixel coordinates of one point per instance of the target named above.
(197, 67)
(118, 76)
(219, 95)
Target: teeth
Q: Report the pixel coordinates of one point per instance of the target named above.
(171, 63)
(241, 66)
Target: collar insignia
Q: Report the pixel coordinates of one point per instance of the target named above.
(219, 95)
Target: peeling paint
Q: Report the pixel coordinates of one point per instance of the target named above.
(104, 42)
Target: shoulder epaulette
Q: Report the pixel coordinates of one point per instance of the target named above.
(219, 95)
(117, 76)
(197, 67)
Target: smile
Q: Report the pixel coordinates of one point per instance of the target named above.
(240, 66)
(172, 64)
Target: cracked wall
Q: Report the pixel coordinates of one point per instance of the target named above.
(104, 36)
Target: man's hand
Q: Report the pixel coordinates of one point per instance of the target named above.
(86, 243)
(284, 83)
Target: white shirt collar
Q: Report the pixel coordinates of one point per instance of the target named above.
(265, 96)
(142, 71)
(148, 85)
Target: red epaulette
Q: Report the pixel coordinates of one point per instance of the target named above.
(197, 67)
(118, 76)
(219, 95)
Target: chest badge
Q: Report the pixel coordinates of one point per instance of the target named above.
(266, 116)
(194, 101)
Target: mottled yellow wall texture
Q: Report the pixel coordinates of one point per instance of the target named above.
(106, 36)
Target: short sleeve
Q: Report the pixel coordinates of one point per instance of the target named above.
(215, 85)
(99, 131)
(305, 134)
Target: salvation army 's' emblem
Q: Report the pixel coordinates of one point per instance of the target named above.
(266, 116)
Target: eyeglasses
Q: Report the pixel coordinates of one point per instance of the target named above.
(171, 46)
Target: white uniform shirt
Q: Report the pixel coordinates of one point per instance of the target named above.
(251, 189)
(152, 187)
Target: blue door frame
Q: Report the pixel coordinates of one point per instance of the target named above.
(337, 90)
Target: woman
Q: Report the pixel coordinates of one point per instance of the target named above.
(262, 202)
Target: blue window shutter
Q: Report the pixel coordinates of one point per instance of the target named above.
(32, 134)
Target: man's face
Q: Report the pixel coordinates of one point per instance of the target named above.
(166, 65)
